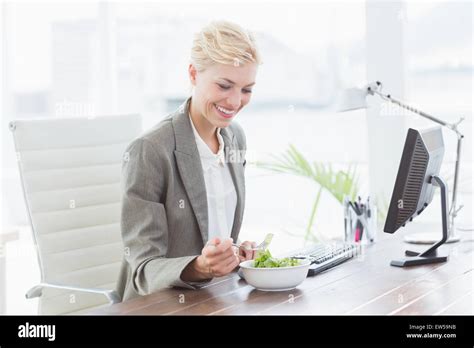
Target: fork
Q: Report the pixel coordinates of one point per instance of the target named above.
(262, 246)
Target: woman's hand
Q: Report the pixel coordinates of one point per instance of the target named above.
(245, 252)
(216, 260)
(219, 257)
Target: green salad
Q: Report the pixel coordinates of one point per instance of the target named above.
(265, 260)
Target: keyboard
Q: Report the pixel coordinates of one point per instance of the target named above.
(324, 256)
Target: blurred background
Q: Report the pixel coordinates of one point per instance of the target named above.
(66, 59)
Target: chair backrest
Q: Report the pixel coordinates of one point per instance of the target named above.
(70, 170)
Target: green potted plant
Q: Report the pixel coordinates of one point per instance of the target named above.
(339, 183)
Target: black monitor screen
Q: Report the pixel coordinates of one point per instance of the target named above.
(421, 159)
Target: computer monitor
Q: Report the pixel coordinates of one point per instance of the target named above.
(417, 178)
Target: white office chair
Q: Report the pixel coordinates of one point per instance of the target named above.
(70, 170)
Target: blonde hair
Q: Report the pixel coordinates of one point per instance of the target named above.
(223, 42)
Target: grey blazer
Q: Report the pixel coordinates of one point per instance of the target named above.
(164, 218)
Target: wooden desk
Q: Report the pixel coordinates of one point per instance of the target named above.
(366, 285)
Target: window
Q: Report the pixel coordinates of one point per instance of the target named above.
(102, 58)
(439, 82)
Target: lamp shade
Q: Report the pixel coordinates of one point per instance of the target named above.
(352, 99)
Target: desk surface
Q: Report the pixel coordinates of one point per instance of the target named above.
(365, 285)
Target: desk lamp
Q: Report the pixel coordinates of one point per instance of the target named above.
(355, 98)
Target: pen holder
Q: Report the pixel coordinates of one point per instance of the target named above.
(360, 222)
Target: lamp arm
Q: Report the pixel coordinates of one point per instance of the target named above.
(454, 210)
(375, 89)
(452, 126)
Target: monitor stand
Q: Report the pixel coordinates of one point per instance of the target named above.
(430, 255)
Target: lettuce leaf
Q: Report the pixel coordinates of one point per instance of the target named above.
(264, 259)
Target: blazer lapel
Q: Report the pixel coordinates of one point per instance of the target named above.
(190, 168)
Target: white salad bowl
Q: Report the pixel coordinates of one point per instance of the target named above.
(274, 279)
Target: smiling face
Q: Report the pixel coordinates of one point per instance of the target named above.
(221, 91)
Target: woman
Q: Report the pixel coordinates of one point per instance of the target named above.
(183, 181)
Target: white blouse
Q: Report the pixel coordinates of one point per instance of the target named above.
(220, 190)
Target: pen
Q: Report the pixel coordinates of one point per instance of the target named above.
(354, 207)
(346, 213)
(368, 207)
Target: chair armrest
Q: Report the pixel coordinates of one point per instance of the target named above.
(36, 291)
